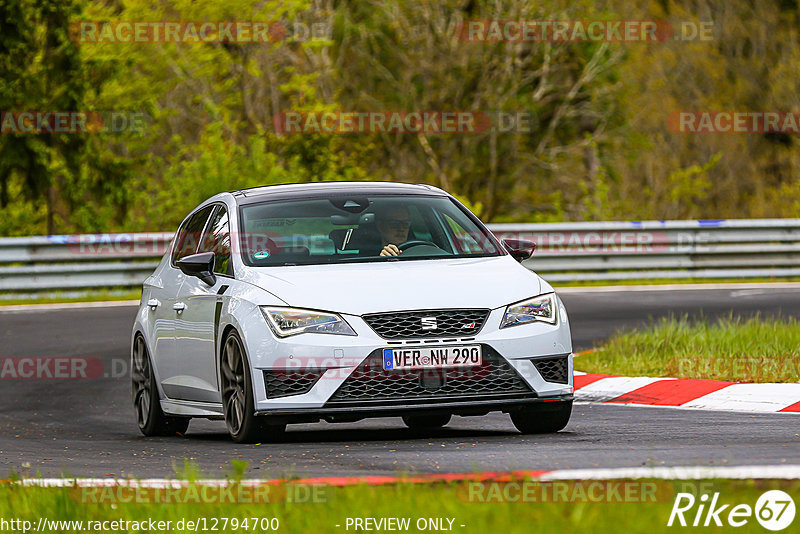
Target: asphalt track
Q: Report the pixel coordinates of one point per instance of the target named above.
(87, 427)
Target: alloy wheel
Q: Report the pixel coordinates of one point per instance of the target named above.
(142, 382)
(233, 385)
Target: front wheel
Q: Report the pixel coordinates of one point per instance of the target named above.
(150, 418)
(237, 397)
(544, 418)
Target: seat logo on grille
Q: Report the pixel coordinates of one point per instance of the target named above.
(429, 323)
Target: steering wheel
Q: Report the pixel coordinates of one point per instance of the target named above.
(415, 243)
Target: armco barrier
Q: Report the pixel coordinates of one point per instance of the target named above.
(746, 248)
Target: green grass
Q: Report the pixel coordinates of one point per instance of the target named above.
(746, 350)
(401, 500)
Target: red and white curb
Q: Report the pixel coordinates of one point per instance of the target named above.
(758, 472)
(687, 393)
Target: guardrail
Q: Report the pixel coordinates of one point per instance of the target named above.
(566, 252)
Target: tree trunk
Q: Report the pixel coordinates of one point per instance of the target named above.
(51, 202)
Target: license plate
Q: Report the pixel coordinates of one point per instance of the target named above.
(432, 357)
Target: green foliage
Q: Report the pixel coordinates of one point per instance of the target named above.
(597, 146)
(517, 505)
(44, 71)
(188, 470)
(216, 163)
(689, 188)
(239, 470)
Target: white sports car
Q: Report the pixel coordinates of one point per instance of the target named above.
(341, 301)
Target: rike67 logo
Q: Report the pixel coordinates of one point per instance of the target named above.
(774, 510)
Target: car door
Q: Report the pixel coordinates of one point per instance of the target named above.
(197, 325)
(162, 290)
(167, 359)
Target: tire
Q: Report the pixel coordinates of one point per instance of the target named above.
(426, 422)
(542, 419)
(149, 417)
(237, 397)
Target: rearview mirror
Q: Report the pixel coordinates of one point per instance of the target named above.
(519, 249)
(199, 265)
(353, 219)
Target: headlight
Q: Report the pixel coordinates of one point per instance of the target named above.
(542, 308)
(287, 322)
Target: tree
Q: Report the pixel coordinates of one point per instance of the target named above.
(42, 70)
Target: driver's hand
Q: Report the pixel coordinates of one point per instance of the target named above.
(390, 250)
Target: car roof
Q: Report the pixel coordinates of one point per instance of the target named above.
(304, 190)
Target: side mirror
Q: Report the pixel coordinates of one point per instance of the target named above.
(519, 249)
(199, 265)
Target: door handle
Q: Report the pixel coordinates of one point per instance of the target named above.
(153, 303)
(179, 307)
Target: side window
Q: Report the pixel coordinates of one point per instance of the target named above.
(465, 242)
(189, 234)
(218, 240)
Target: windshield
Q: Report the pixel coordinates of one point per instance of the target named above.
(359, 229)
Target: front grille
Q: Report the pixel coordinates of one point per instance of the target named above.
(287, 382)
(427, 323)
(553, 369)
(370, 382)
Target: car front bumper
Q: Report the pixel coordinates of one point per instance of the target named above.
(336, 360)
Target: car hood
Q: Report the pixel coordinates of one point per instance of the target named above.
(362, 288)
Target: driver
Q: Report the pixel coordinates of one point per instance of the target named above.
(393, 225)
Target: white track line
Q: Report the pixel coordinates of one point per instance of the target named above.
(787, 472)
(679, 473)
(67, 306)
(678, 287)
